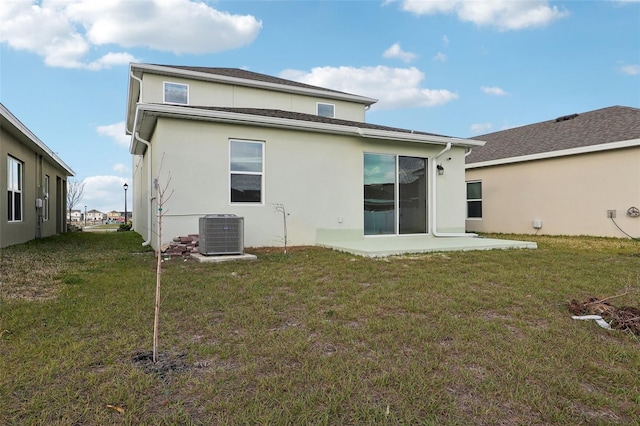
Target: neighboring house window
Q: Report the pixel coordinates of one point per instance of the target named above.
(45, 203)
(474, 200)
(326, 110)
(246, 171)
(176, 93)
(14, 190)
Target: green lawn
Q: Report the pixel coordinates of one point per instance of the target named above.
(316, 336)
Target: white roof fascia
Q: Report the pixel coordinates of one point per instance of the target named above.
(226, 116)
(554, 154)
(17, 124)
(167, 70)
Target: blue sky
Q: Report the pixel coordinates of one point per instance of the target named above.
(457, 68)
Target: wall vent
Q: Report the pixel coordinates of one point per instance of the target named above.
(221, 234)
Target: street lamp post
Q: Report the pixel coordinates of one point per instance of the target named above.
(125, 186)
(85, 215)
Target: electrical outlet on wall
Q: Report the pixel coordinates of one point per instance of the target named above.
(611, 214)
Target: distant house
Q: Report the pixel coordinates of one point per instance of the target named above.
(96, 216)
(113, 216)
(74, 216)
(574, 175)
(35, 179)
(243, 143)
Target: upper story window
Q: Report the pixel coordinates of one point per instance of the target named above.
(246, 170)
(474, 200)
(14, 190)
(45, 204)
(326, 110)
(176, 93)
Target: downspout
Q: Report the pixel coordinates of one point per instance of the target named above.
(149, 180)
(140, 81)
(434, 202)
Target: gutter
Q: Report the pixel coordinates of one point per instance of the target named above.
(137, 137)
(434, 201)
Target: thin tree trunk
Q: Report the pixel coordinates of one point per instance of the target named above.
(156, 319)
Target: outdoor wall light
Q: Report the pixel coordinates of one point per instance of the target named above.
(440, 169)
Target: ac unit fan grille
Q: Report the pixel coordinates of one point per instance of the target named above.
(221, 234)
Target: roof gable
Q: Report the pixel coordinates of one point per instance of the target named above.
(575, 131)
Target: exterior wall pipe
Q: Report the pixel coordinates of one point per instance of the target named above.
(149, 179)
(434, 202)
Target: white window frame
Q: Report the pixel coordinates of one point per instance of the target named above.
(474, 199)
(164, 92)
(45, 201)
(242, 172)
(333, 109)
(13, 164)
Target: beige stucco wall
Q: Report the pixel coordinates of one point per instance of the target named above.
(202, 93)
(318, 177)
(571, 195)
(35, 167)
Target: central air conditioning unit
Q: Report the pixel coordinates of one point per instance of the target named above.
(221, 234)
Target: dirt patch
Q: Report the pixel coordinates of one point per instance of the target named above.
(166, 365)
(626, 318)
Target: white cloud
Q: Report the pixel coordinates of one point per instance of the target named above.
(631, 69)
(116, 132)
(481, 127)
(105, 193)
(501, 14)
(496, 91)
(121, 168)
(395, 51)
(445, 40)
(394, 87)
(440, 57)
(65, 32)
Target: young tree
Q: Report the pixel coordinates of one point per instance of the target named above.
(75, 192)
(161, 200)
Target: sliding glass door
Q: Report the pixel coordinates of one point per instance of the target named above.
(395, 194)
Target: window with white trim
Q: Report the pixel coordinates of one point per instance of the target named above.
(474, 200)
(14, 190)
(45, 197)
(246, 171)
(326, 110)
(176, 93)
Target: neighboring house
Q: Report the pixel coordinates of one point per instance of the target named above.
(74, 216)
(113, 216)
(565, 176)
(36, 183)
(95, 216)
(230, 141)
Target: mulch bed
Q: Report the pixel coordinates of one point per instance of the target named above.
(626, 318)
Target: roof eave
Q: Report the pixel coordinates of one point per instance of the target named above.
(18, 129)
(554, 154)
(156, 110)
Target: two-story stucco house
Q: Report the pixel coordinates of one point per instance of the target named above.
(230, 141)
(35, 179)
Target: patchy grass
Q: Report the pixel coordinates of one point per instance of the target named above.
(316, 336)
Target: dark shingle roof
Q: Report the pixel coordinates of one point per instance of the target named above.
(250, 75)
(290, 115)
(612, 124)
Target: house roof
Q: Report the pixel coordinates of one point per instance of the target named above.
(250, 75)
(291, 115)
(13, 126)
(602, 129)
(230, 76)
(281, 119)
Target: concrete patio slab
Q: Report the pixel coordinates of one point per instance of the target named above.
(398, 245)
(223, 258)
